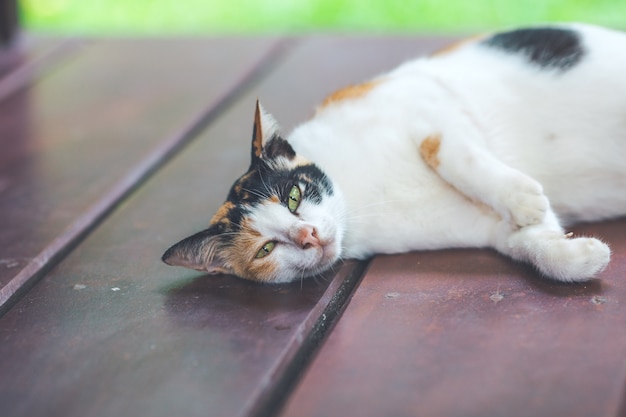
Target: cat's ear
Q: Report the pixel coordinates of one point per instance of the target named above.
(266, 140)
(202, 251)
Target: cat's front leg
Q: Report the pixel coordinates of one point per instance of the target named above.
(522, 200)
(476, 173)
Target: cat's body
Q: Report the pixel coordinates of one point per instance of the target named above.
(483, 145)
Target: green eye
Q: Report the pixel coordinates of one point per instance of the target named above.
(265, 250)
(294, 199)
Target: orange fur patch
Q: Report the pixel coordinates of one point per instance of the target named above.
(350, 92)
(244, 178)
(222, 212)
(429, 149)
(242, 259)
(238, 187)
(262, 269)
(455, 46)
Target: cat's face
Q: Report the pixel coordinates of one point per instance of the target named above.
(282, 220)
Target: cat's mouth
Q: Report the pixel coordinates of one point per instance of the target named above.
(313, 250)
(320, 258)
(330, 252)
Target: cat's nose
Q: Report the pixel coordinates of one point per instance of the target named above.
(306, 237)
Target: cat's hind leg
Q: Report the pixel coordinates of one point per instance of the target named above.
(528, 229)
(555, 254)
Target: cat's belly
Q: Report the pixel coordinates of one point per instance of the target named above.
(429, 216)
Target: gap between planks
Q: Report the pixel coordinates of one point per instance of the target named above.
(280, 381)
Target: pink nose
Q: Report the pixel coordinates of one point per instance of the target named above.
(306, 237)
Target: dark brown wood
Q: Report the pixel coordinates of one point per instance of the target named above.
(469, 333)
(79, 140)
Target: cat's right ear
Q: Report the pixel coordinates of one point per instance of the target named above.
(266, 140)
(265, 127)
(202, 252)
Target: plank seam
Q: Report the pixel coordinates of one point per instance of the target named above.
(278, 384)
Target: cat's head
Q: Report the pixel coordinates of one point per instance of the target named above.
(282, 220)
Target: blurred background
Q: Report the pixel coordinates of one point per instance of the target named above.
(210, 17)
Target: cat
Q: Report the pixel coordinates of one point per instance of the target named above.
(498, 141)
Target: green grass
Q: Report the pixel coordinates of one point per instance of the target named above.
(154, 17)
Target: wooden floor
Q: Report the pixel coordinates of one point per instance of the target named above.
(110, 150)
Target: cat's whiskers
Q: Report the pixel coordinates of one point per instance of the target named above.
(267, 188)
(257, 193)
(301, 278)
(317, 275)
(235, 233)
(331, 268)
(302, 272)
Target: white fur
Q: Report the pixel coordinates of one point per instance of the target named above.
(520, 145)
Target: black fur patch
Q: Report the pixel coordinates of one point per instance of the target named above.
(276, 147)
(316, 182)
(549, 48)
(264, 182)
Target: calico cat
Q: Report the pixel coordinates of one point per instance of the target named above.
(495, 142)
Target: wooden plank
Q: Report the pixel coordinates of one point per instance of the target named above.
(76, 143)
(112, 331)
(30, 59)
(469, 333)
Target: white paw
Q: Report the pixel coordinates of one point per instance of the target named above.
(569, 260)
(524, 202)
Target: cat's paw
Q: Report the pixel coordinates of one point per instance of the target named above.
(571, 260)
(524, 201)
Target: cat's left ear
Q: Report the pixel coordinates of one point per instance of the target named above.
(266, 140)
(203, 251)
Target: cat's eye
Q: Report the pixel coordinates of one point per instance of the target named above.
(265, 250)
(293, 202)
